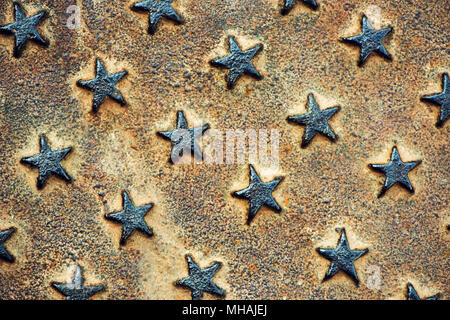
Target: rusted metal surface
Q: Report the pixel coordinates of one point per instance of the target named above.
(327, 184)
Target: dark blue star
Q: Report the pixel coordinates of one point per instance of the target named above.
(158, 9)
(342, 258)
(131, 217)
(24, 29)
(200, 281)
(441, 99)
(396, 171)
(103, 86)
(4, 235)
(412, 294)
(238, 62)
(259, 194)
(47, 162)
(316, 121)
(183, 138)
(370, 40)
(76, 289)
(289, 4)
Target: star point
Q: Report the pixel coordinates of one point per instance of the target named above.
(24, 29)
(158, 9)
(103, 86)
(76, 289)
(412, 294)
(442, 100)
(315, 120)
(5, 235)
(396, 171)
(238, 62)
(289, 4)
(370, 40)
(342, 258)
(131, 218)
(47, 162)
(258, 194)
(200, 281)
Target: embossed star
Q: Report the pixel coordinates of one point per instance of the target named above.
(76, 289)
(412, 294)
(259, 194)
(4, 235)
(158, 9)
(200, 281)
(24, 29)
(396, 171)
(441, 99)
(183, 138)
(131, 217)
(370, 40)
(47, 162)
(103, 86)
(238, 62)
(316, 121)
(342, 258)
(289, 4)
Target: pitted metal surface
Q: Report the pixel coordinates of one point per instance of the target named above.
(58, 234)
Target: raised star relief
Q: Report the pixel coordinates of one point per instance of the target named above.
(238, 62)
(370, 40)
(47, 162)
(5, 235)
(158, 9)
(342, 258)
(200, 281)
(259, 194)
(76, 290)
(316, 121)
(103, 86)
(289, 4)
(396, 171)
(442, 100)
(183, 139)
(24, 29)
(412, 294)
(131, 218)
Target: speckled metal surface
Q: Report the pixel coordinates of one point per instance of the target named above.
(61, 229)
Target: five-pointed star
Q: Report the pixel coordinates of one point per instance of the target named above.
(370, 40)
(158, 9)
(47, 162)
(396, 171)
(412, 294)
(316, 121)
(183, 138)
(76, 290)
(342, 258)
(24, 29)
(441, 99)
(200, 281)
(4, 235)
(103, 86)
(289, 4)
(238, 62)
(131, 217)
(259, 194)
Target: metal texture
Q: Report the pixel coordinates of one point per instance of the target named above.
(163, 59)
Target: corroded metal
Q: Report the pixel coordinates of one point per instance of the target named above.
(61, 229)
